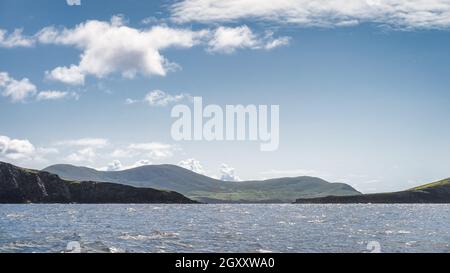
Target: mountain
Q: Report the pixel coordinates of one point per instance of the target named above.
(18, 186)
(437, 192)
(206, 189)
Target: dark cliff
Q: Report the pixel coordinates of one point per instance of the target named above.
(18, 185)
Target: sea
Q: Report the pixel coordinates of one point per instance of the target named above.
(223, 228)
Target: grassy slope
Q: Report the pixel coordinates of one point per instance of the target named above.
(432, 185)
(436, 192)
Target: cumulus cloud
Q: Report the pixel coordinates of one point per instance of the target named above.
(228, 173)
(16, 148)
(69, 75)
(21, 90)
(112, 47)
(56, 95)
(228, 39)
(84, 151)
(94, 150)
(117, 165)
(16, 90)
(73, 2)
(192, 165)
(22, 151)
(15, 39)
(114, 166)
(405, 14)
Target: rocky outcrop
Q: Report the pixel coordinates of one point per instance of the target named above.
(434, 193)
(18, 185)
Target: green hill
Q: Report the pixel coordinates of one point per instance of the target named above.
(436, 192)
(206, 189)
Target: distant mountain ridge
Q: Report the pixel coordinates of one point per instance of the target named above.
(19, 185)
(207, 189)
(433, 193)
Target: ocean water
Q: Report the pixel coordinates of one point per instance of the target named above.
(225, 228)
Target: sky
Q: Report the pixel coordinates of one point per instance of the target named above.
(362, 86)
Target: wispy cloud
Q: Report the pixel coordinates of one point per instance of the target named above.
(289, 173)
(15, 39)
(161, 98)
(56, 95)
(16, 90)
(73, 2)
(85, 142)
(229, 39)
(23, 90)
(404, 14)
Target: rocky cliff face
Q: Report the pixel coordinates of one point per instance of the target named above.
(19, 186)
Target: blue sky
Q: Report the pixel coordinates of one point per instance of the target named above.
(363, 86)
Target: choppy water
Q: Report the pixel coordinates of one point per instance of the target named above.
(225, 228)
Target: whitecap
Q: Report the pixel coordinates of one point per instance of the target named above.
(264, 251)
(15, 215)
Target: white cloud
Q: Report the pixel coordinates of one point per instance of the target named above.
(272, 43)
(85, 142)
(153, 20)
(161, 98)
(117, 165)
(192, 165)
(15, 148)
(228, 39)
(83, 155)
(404, 14)
(153, 150)
(22, 151)
(15, 39)
(137, 164)
(114, 166)
(289, 173)
(56, 95)
(123, 153)
(21, 90)
(131, 101)
(228, 173)
(70, 75)
(16, 90)
(73, 2)
(112, 47)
